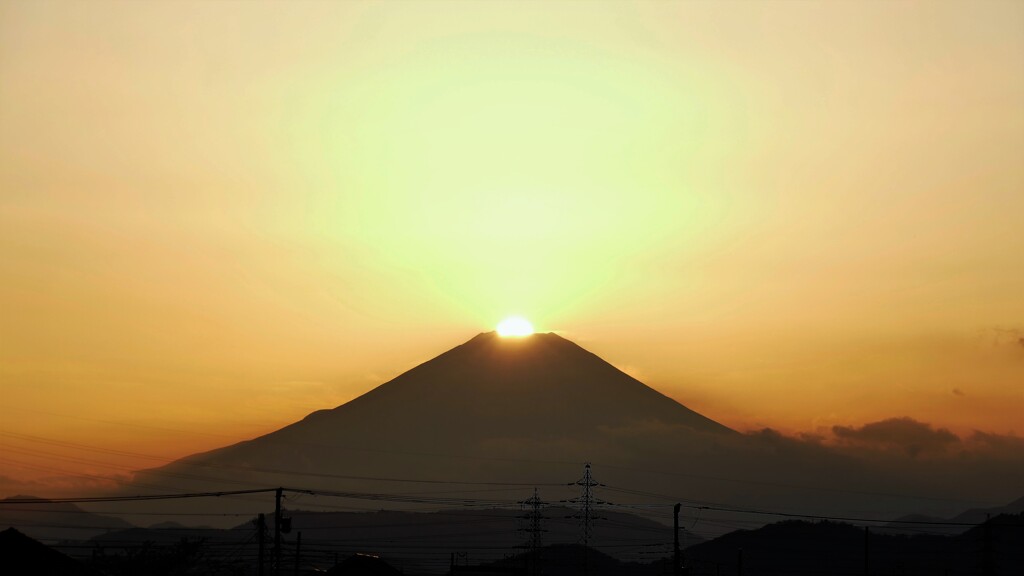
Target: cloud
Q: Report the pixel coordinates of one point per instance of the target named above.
(958, 392)
(996, 443)
(811, 437)
(898, 434)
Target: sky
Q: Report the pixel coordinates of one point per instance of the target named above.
(217, 217)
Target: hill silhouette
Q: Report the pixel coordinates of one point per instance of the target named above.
(419, 542)
(567, 560)
(50, 522)
(951, 525)
(800, 547)
(21, 555)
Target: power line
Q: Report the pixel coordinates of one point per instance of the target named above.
(586, 501)
(137, 498)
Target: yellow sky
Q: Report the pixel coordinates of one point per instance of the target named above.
(216, 217)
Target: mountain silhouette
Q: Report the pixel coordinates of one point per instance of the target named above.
(529, 412)
(802, 547)
(400, 536)
(539, 398)
(50, 522)
(953, 525)
(492, 385)
(24, 556)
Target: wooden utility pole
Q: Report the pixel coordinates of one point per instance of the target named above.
(298, 552)
(677, 567)
(867, 550)
(277, 531)
(988, 566)
(261, 529)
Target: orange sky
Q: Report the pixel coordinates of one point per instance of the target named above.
(216, 217)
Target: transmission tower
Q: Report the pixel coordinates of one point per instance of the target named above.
(586, 502)
(533, 529)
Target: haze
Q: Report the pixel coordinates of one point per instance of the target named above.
(217, 217)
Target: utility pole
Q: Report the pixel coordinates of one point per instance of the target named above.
(867, 549)
(277, 531)
(988, 567)
(298, 552)
(739, 562)
(677, 567)
(261, 529)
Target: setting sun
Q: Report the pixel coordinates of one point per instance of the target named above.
(515, 326)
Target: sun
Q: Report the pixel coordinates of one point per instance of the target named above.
(515, 326)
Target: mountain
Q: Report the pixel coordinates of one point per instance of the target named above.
(568, 560)
(21, 555)
(487, 421)
(800, 547)
(419, 542)
(490, 385)
(536, 399)
(980, 515)
(954, 525)
(54, 521)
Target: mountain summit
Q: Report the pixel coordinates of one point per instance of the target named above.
(540, 385)
(537, 398)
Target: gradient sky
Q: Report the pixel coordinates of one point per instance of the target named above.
(216, 217)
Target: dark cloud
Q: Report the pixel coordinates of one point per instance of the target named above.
(897, 463)
(899, 434)
(811, 437)
(996, 443)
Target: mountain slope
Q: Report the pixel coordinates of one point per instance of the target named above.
(535, 398)
(906, 524)
(490, 385)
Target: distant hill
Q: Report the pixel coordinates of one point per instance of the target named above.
(52, 522)
(419, 542)
(975, 516)
(21, 555)
(798, 547)
(567, 560)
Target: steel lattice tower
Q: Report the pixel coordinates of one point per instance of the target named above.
(532, 506)
(586, 503)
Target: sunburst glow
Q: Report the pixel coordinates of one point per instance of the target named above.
(515, 326)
